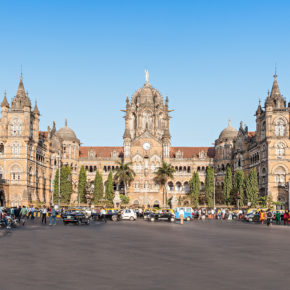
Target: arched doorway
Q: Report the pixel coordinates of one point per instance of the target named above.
(156, 203)
(2, 198)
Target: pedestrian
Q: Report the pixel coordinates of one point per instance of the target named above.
(269, 218)
(53, 216)
(181, 214)
(278, 217)
(32, 211)
(286, 218)
(103, 215)
(44, 212)
(262, 217)
(23, 214)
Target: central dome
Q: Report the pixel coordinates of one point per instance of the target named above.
(147, 95)
(67, 134)
(229, 132)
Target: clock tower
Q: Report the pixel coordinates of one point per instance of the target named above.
(146, 139)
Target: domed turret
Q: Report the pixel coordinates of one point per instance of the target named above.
(147, 95)
(228, 133)
(67, 134)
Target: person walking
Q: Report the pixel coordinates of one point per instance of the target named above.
(23, 214)
(44, 213)
(262, 217)
(286, 218)
(53, 216)
(269, 218)
(181, 214)
(278, 218)
(103, 215)
(32, 211)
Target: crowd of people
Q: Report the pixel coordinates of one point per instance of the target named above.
(22, 214)
(14, 215)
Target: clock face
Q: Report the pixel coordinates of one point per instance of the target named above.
(146, 146)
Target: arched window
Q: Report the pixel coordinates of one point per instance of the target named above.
(170, 186)
(30, 175)
(280, 149)
(1, 173)
(186, 187)
(15, 173)
(15, 149)
(263, 130)
(280, 176)
(280, 127)
(178, 186)
(15, 127)
(1, 149)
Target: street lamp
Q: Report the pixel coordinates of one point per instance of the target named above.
(58, 157)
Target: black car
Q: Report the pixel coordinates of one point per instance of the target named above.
(112, 215)
(164, 214)
(75, 217)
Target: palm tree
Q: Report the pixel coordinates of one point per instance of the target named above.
(162, 174)
(124, 174)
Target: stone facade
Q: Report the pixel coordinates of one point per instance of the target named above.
(29, 158)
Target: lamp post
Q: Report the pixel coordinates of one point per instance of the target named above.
(213, 189)
(58, 157)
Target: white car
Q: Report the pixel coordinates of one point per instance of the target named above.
(129, 214)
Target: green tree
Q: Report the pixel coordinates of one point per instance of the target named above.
(98, 187)
(125, 199)
(124, 174)
(228, 185)
(66, 188)
(252, 188)
(162, 174)
(109, 188)
(82, 184)
(194, 189)
(209, 186)
(239, 186)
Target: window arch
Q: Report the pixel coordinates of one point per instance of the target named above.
(280, 149)
(1, 148)
(16, 149)
(280, 126)
(178, 186)
(15, 127)
(1, 173)
(280, 175)
(15, 172)
(170, 186)
(186, 187)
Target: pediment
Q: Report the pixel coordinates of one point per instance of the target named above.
(146, 135)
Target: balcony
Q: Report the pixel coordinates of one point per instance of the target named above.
(3, 181)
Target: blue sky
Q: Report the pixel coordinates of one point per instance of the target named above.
(80, 59)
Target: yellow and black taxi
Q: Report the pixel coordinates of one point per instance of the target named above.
(77, 217)
(162, 215)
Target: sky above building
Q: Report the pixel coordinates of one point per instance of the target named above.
(80, 59)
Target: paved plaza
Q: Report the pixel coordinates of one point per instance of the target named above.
(144, 255)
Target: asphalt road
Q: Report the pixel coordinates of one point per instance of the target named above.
(143, 255)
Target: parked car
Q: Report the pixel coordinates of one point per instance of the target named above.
(163, 214)
(75, 217)
(188, 213)
(128, 214)
(111, 214)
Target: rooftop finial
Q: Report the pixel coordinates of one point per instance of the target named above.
(259, 102)
(65, 122)
(5, 94)
(275, 75)
(21, 76)
(229, 122)
(147, 76)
